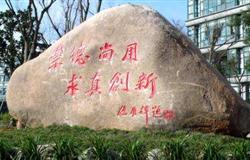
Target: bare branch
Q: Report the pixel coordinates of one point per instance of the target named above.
(75, 12)
(38, 22)
(75, 16)
(86, 10)
(53, 25)
(99, 4)
(10, 6)
(178, 24)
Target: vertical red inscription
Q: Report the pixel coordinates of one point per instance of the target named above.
(145, 81)
(119, 81)
(107, 52)
(95, 85)
(145, 110)
(55, 60)
(131, 53)
(72, 86)
(79, 56)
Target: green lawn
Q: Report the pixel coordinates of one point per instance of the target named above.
(75, 142)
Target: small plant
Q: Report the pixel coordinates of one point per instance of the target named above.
(241, 151)
(5, 119)
(175, 150)
(5, 150)
(29, 149)
(212, 151)
(134, 150)
(65, 149)
(155, 154)
(101, 148)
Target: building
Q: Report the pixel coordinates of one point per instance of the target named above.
(206, 15)
(3, 85)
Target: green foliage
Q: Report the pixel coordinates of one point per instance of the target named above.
(232, 66)
(30, 149)
(16, 34)
(5, 150)
(65, 142)
(5, 118)
(65, 149)
(100, 147)
(246, 23)
(235, 20)
(242, 151)
(242, 19)
(212, 151)
(176, 150)
(134, 150)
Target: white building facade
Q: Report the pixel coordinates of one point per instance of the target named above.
(3, 85)
(203, 15)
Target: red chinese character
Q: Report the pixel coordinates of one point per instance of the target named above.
(95, 88)
(107, 52)
(168, 115)
(131, 52)
(156, 110)
(72, 85)
(55, 60)
(79, 56)
(144, 110)
(119, 80)
(122, 111)
(146, 81)
(133, 111)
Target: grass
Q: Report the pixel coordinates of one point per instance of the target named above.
(69, 143)
(4, 119)
(73, 142)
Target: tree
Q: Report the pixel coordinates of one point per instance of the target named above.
(228, 65)
(179, 25)
(246, 23)
(20, 38)
(214, 33)
(232, 66)
(75, 12)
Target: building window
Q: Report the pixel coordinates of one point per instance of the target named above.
(246, 60)
(197, 8)
(241, 2)
(190, 9)
(233, 62)
(1, 78)
(245, 94)
(202, 34)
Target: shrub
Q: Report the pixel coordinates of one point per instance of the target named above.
(176, 150)
(101, 148)
(30, 150)
(5, 118)
(134, 150)
(5, 150)
(65, 149)
(212, 151)
(242, 151)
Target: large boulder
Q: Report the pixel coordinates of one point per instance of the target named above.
(127, 68)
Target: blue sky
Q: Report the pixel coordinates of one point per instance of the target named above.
(171, 9)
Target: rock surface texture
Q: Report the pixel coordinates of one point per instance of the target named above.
(127, 68)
